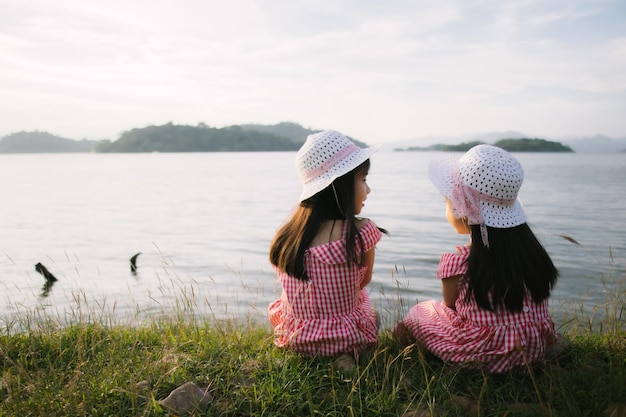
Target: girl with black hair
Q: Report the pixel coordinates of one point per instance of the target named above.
(324, 255)
(494, 313)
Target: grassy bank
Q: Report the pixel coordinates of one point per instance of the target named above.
(99, 370)
(96, 367)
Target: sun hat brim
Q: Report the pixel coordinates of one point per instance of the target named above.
(324, 180)
(440, 174)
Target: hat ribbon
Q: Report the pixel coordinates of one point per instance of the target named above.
(349, 149)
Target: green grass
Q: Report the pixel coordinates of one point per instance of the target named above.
(95, 367)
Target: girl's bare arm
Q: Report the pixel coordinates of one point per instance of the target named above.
(369, 262)
(450, 290)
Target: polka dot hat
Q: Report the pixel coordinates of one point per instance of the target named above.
(326, 156)
(482, 185)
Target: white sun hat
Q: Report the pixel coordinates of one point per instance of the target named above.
(326, 156)
(483, 185)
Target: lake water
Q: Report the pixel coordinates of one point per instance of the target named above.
(203, 223)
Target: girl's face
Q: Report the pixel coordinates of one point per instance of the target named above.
(459, 225)
(361, 190)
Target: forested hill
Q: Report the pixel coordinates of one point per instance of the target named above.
(35, 142)
(201, 138)
(511, 145)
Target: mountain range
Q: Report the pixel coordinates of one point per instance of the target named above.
(285, 136)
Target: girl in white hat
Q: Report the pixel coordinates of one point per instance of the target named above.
(494, 312)
(324, 255)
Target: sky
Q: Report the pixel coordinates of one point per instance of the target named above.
(378, 71)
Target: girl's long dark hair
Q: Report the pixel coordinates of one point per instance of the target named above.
(514, 262)
(295, 236)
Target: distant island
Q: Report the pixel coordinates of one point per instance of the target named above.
(170, 137)
(511, 145)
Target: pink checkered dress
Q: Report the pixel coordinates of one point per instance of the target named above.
(498, 341)
(330, 313)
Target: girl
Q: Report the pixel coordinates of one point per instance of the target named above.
(324, 256)
(494, 312)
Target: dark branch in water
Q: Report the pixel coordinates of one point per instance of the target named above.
(44, 271)
(133, 263)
